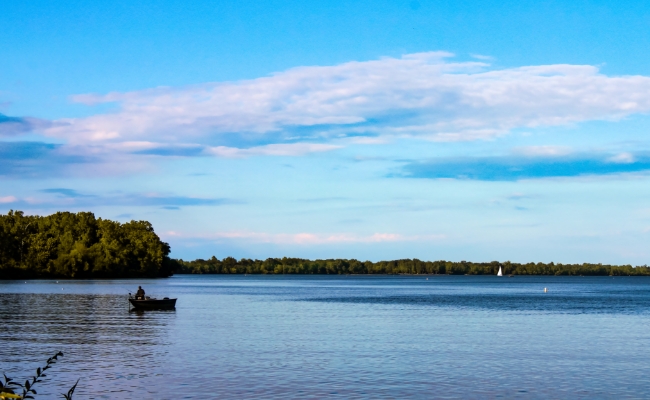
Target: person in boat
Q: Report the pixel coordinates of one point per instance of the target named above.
(139, 295)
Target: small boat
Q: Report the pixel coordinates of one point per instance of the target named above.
(153, 304)
(500, 273)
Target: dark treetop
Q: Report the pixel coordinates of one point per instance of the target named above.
(69, 245)
(285, 265)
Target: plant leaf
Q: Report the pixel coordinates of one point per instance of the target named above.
(71, 391)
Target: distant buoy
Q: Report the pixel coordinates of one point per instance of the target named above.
(545, 290)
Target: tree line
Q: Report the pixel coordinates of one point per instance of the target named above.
(78, 245)
(286, 265)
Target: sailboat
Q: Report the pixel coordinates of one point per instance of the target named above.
(500, 273)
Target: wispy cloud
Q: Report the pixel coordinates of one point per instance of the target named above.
(169, 201)
(71, 198)
(482, 57)
(421, 94)
(622, 158)
(543, 151)
(144, 200)
(316, 109)
(8, 199)
(37, 159)
(65, 192)
(514, 167)
(195, 150)
(305, 238)
(25, 150)
(291, 150)
(46, 160)
(11, 126)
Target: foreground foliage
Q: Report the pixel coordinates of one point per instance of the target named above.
(285, 265)
(10, 389)
(78, 245)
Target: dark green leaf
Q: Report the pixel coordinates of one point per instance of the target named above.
(71, 391)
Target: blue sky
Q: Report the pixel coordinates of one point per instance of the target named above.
(511, 130)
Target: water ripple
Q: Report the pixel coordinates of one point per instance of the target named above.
(335, 337)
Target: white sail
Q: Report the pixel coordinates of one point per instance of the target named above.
(500, 273)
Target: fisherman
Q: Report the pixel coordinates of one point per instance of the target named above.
(139, 295)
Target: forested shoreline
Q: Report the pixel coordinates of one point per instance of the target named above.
(285, 265)
(80, 246)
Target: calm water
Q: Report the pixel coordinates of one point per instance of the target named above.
(334, 337)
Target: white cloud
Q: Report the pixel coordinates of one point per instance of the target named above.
(622, 158)
(306, 238)
(543, 151)
(423, 95)
(8, 199)
(293, 149)
(482, 57)
(367, 140)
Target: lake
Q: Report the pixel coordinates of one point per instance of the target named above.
(333, 337)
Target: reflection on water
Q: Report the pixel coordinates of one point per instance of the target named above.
(333, 337)
(102, 342)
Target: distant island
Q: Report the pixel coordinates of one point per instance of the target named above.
(81, 246)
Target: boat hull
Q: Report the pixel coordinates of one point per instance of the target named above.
(151, 304)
